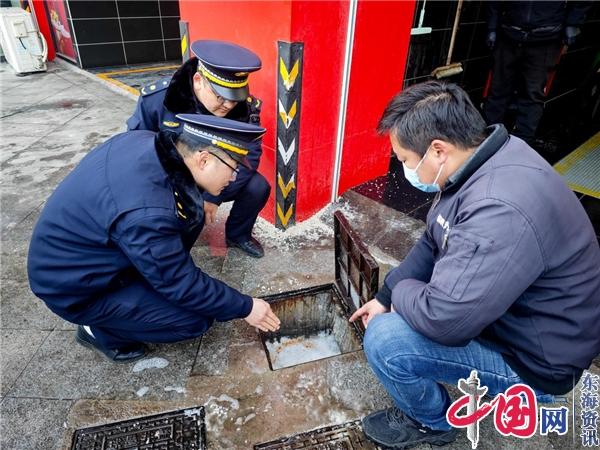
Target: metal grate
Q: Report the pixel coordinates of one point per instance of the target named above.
(348, 436)
(356, 271)
(181, 430)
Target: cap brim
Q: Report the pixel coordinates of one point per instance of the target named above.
(240, 159)
(234, 95)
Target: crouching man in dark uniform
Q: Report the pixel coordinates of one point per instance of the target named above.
(214, 82)
(111, 249)
(505, 279)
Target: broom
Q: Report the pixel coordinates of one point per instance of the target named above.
(450, 69)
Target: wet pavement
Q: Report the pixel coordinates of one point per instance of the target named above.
(51, 386)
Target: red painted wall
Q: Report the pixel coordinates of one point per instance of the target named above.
(381, 40)
(380, 48)
(42, 20)
(322, 28)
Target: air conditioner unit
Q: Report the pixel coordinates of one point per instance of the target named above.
(24, 46)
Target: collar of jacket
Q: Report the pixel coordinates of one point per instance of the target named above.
(188, 193)
(180, 97)
(497, 136)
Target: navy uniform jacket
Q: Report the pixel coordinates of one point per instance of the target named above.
(160, 102)
(130, 207)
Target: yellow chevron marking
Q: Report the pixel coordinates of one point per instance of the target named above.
(288, 78)
(288, 117)
(184, 44)
(285, 219)
(285, 188)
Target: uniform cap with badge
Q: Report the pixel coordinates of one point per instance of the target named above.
(231, 136)
(226, 67)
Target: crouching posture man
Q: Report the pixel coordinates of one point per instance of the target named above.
(504, 280)
(111, 249)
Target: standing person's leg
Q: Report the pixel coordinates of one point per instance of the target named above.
(411, 367)
(248, 202)
(538, 60)
(504, 72)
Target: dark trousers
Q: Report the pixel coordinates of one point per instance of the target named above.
(249, 199)
(525, 68)
(137, 313)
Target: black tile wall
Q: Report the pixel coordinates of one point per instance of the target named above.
(170, 27)
(169, 8)
(141, 29)
(102, 55)
(138, 8)
(429, 51)
(173, 50)
(83, 9)
(143, 52)
(130, 32)
(95, 31)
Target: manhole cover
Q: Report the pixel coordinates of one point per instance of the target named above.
(181, 430)
(346, 436)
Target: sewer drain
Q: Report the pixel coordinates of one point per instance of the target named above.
(181, 430)
(348, 436)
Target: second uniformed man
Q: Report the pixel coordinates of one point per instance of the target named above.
(214, 82)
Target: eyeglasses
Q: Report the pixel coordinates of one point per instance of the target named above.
(220, 99)
(234, 169)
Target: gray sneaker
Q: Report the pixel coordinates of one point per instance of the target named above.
(394, 429)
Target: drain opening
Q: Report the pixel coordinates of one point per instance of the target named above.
(314, 326)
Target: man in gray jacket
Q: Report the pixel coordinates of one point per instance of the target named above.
(505, 279)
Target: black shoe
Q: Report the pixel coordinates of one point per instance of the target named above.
(118, 355)
(251, 247)
(394, 429)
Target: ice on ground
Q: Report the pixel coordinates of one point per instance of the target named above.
(142, 391)
(178, 389)
(292, 351)
(150, 363)
(316, 228)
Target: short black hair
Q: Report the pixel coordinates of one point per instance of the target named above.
(432, 110)
(187, 144)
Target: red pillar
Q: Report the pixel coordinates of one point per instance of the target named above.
(382, 33)
(42, 20)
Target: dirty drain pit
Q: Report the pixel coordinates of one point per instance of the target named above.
(314, 326)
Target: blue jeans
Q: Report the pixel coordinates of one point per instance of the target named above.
(411, 367)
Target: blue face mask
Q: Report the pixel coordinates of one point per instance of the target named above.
(413, 177)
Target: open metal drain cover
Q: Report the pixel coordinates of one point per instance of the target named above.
(181, 430)
(348, 436)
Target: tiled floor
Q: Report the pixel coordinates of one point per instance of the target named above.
(51, 386)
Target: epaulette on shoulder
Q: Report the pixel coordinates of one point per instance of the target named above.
(155, 87)
(254, 103)
(254, 106)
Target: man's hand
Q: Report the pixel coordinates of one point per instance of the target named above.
(262, 317)
(210, 211)
(367, 311)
